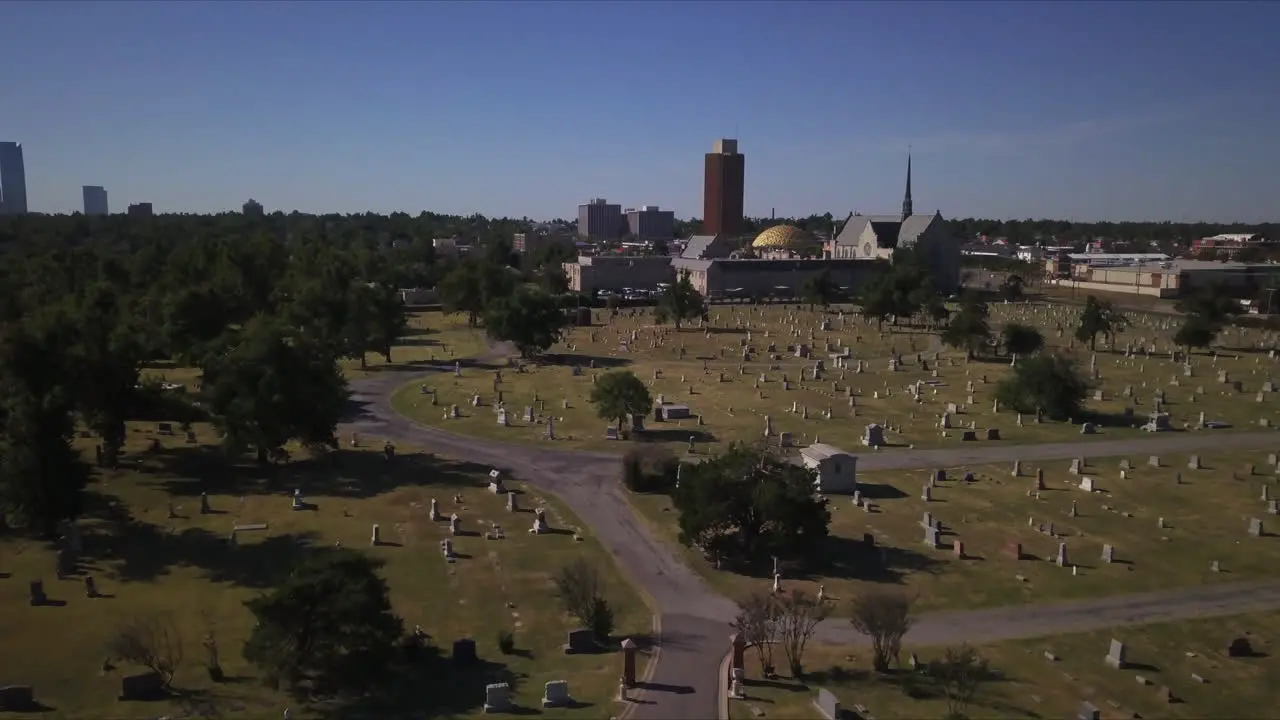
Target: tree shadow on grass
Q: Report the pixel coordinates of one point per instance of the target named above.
(346, 474)
(851, 559)
(128, 549)
(660, 434)
(584, 361)
(430, 685)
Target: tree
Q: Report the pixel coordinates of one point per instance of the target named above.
(272, 386)
(885, 617)
(1099, 318)
(876, 300)
(757, 625)
(960, 672)
(1196, 332)
(1048, 384)
(619, 394)
(1011, 288)
(469, 287)
(328, 628)
(152, 641)
(968, 328)
(388, 321)
(530, 319)
(42, 477)
(1212, 304)
(820, 289)
(798, 617)
(581, 590)
(680, 302)
(1021, 339)
(105, 367)
(749, 504)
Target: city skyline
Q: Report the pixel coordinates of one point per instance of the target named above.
(1079, 111)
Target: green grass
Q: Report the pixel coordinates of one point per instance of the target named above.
(148, 563)
(1206, 516)
(712, 380)
(1028, 685)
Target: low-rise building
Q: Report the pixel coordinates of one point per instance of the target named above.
(651, 223)
(743, 279)
(143, 209)
(593, 273)
(533, 242)
(1228, 244)
(1174, 278)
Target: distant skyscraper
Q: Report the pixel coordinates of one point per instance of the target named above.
(13, 179)
(599, 220)
(141, 209)
(95, 200)
(722, 190)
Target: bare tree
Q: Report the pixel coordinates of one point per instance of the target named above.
(581, 590)
(151, 641)
(758, 626)
(960, 672)
(885, 617)
(798, 616)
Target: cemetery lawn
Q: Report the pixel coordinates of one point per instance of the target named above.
(1207, 518)
(1029, 685)
(184, 568)
(735, 409)
(433, 336)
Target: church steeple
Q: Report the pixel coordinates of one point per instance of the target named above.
(906, 198)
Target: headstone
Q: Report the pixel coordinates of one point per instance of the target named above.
(555, 693)
(1108, 553)
(36, 594)
(17, 698)
(1116, 655)
(204, 503)
(579, 641)
(464, 651)
(512, 504)
(1255, 527)
(90, 587)
(828, 705)
(143, 686)
(1061, 559)
(628, 663)
(1088, 711)
(1240, 647)
(497, 698)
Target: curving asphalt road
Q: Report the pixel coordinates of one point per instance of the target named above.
(694, 620)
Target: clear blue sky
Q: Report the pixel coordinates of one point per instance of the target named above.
(1080, 110)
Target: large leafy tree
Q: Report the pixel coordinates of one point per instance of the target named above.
(472, 285)
(968, 328)
(42, 477)
(680, 302)
(619, 394)
(105, 364)
(747, 504)
(820, 289)
(274, 385)
(1048, 383)
(530, 319)
(328, 629)
(1099, 317)
(1196, 332)
(1019, 339)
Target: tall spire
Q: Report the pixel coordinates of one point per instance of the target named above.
(906, 198)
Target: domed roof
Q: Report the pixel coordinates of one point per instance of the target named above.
(782, 237)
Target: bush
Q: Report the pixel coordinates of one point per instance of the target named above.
(506, 641)
(650, 470)
(600, 621)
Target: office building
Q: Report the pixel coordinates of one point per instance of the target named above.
(599, 220)
(722, 190)
(141, 210)
(95, 200)
(535, 240)
(13, 179)
(651, 223)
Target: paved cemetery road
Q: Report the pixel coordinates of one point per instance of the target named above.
(694, 619)
(1010, 623)
(994, 452)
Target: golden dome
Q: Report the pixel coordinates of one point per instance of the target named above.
(782, 237)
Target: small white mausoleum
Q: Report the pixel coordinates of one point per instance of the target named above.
(837, 470)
